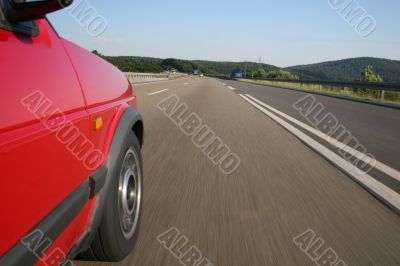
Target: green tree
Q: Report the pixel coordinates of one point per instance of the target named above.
(368, 75)
(281, 74)
(97, 53)
(260, 73)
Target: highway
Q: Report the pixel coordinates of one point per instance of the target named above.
(282, 187)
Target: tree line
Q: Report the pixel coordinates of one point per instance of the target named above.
(248, 69)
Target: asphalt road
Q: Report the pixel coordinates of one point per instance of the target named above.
(281, 189)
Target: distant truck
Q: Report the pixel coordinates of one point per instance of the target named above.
(238, 75)
(196, 72)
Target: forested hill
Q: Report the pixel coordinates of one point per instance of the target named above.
(349, 69)
(155, 65)
(341, 70)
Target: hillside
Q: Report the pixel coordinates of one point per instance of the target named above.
(341, 70)
(156, 65)
(349, 69)
(225, 68)
(136, 64)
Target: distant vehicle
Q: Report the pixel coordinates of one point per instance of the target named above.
(196, 72)
(238, 75)
(201, 75)
(70, 139)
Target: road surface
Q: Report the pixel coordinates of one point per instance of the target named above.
(281, 189)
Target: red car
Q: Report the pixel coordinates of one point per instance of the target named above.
(70, 146)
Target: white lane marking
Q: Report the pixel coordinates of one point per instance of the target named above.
(223, 84)
(157, 92)
(150, 83)
(359, 155)
(186, 83)
(374, 186)
(231, 88)
(156, 82)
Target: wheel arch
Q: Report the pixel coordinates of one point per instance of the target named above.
(130, 121)
(138, 129)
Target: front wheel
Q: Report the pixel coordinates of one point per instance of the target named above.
(129, 193)
(119, 227)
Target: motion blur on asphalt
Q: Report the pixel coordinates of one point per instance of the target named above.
(229, 133)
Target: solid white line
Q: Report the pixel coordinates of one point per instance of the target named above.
(157, 92)
(374, 186)
(156, 82)
(151, 82)
(231, 88)
(359, 155)
(223, 84)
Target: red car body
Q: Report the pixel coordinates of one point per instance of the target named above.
(47, 84)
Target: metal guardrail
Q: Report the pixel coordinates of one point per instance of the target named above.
(149, 77)
(357, 85)
(134, 77)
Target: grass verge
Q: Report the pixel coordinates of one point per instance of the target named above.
(375, 96)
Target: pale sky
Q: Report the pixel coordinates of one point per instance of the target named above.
(283, 33)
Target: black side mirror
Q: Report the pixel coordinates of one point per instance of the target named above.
(16, 11)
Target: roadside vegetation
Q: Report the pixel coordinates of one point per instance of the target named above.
(133, 64)
(157, 65)
(367, 75)
(275, 74)
(342, 70)
(349, 69)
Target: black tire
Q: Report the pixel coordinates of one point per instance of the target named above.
(111, 242)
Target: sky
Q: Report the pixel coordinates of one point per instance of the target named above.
(283, 33)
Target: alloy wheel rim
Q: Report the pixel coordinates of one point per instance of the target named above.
(129, 193)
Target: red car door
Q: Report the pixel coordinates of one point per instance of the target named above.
(40, 93)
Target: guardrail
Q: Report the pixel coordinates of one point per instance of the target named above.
(380, 91)
(343, 84)
(357, 85)
(150, 77)
(146, 77)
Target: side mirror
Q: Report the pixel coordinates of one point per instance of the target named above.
(16, 11)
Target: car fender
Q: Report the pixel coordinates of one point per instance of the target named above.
(129, 122)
